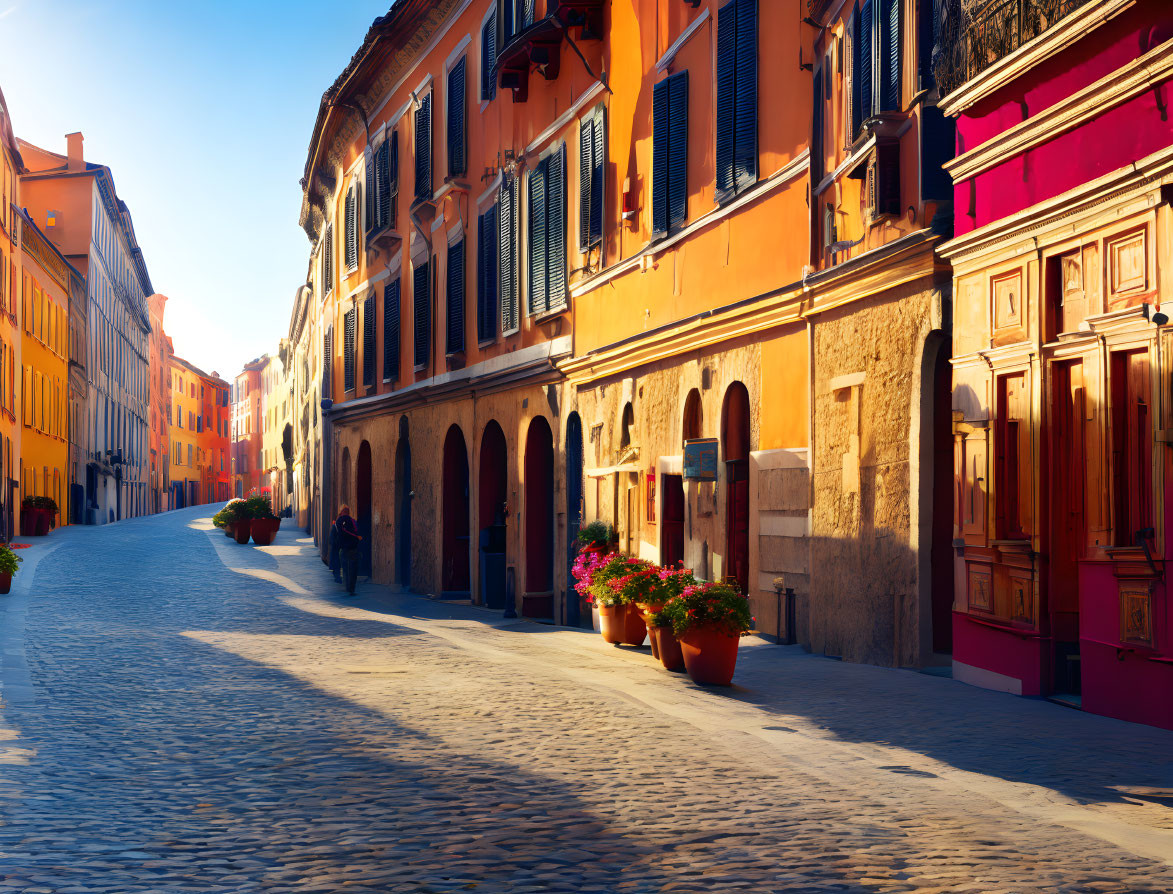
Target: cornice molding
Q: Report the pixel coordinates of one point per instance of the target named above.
(1118, 87)
(1054, 40)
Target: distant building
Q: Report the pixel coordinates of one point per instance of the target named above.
(247, 428)
(214, 433)
(160, 448)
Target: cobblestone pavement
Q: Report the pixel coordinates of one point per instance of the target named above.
(181, 713)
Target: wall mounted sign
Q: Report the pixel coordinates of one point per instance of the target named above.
(700, 459)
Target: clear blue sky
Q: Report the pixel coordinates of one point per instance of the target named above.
(203, 111)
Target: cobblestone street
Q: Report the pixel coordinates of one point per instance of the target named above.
(181, 713)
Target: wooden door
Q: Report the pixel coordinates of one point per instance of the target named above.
(1068, 497)
(672, 523)
(737, 521)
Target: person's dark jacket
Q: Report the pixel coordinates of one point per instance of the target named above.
(348, 537)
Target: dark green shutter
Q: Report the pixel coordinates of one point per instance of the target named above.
(889, 54)
(528, 13)
(745, 142)
(348, 335)
(368, 341)
(598, 176)
(817, 131)
(856, 78)
(383, 168)
(372, 190)
(456, 118)
(488, 61)
(660, 158)
(866, 60)
(454, 322)
(726, 90)
(328, 365)
(488, 262)
(391, 330)
(421, 287)
(678, 150)
(586, 164)
(508, 253)
(351, 235)
(537, 238)
(556, 228)
(423, 148)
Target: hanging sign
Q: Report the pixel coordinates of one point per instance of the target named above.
(700, 459)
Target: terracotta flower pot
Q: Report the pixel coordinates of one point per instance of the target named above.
(243, 530)
(264, 530)
(5, 583)
(612, 619)
(635, 631)
(646, 610)
(666, 647)
(230, 530)
(710, 655)
(44, 522)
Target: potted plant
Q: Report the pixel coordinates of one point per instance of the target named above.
(37, 515)
(614, 589)
(671, 583)
(228, 517)
(263, 523)
(598, 536)
(9, 563)
(709, 620)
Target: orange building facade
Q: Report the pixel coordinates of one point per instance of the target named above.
(161, 351)
(11, 279)
(214, 434)
(248, 428)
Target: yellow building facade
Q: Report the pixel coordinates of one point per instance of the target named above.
(186, 453)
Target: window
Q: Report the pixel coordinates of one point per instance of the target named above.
(507, 248)
(488, 266)
(328, 260)
(327, 365)
(489, 59)
(350, 228)
(454, 317)
(348, 335)
(368, 341)
(423, 148)
(875, 61)
(816, 155)
(592, 153)
(547, 233)
(457, 102)
(391, 313)
(669, 154)
(421, 288)
(382, 184)
(737, 98)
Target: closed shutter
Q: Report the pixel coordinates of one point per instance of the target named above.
(889, 69)
(391, 330)
(726, 89)
(817, 131)
(393, 167)
(586, 164)
(528, 14)
(745, 151)
(348, 334)
(350, 243)
(507, 242)
(368, 341)
(556, 229)
(421, 282)
(678, 150)
(537, 239)
(488, 264)
(856, 65)
(660, 158)
(330, 258)
(887, 180)
(456, 118)
(598, 176)
(423, 148)
(328, 364)
(866, 64)
(488, 61)
(370, 194)
(454, 299)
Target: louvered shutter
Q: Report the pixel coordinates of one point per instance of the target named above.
(456, 118)
(488, 260)
(383, 181)
(817, 131)
(856, 66)
(745, 142)
(660, 158)
(423, 148)
(537, 238)
(454, 317)
(372, 191)
(889, 69)
(586, 165)
(726, 91)
(678, 150)
(528, 15)
(393, 178)
(368, 341)
(328, 364)
(421, 281)
(391, 330)
(866, 60)
(488, 61)
(598, 175)
(887, 187)
(348, 334)
(351, 240)
(556, 245)
(507, 243)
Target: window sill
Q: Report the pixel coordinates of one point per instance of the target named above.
(486, 342)
(551, 314)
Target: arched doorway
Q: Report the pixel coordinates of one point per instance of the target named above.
(735, 447)
(538, 598)
(693, 424)
(454, 568)
(362, 507)
(403, 497)
(492, 494)
(574, 471)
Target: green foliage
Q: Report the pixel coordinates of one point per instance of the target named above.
(41, 503)
(234, 510)
(596, 535)
(9, 561)
(258, 506)
(713, 605)
(601, 592)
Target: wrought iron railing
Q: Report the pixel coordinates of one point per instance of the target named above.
(971, 35)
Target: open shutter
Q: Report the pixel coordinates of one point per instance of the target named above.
(421, 280)
(598, 175)
(508, 254)
(454, 322)
(368, 341)
(817, 130)
(348, 334)
(488, 61)
(537, 239)
(488, 261)
(391, 330)
(889, 72)
(745, 151)
(370, 194)
(586, 150)
(556, 229)
(528, 13)
(660, 158)
(423, 148)
(726, 90)
(856, 66)
(678, 150)
(866, 60)
(456, 119)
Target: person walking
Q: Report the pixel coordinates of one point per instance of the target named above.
(348, 543)
(335, 562)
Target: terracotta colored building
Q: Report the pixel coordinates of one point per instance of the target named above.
(248, 428)
(304, 376)
(161, 351)
(214, 433)
(11, 279)
(1061, 405)
(48, 280)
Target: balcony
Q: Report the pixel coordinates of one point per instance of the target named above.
(972, 35)
(538, 45)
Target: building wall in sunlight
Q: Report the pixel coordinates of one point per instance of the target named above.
(161, 351)
(11, 279)
(215, 438)
(247, 431)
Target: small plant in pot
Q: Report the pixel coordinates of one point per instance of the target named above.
(709, 620)
(264, 523)
(9, 563)
(37, 515)
(598, 536)
(672, 583)
(626, 581)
